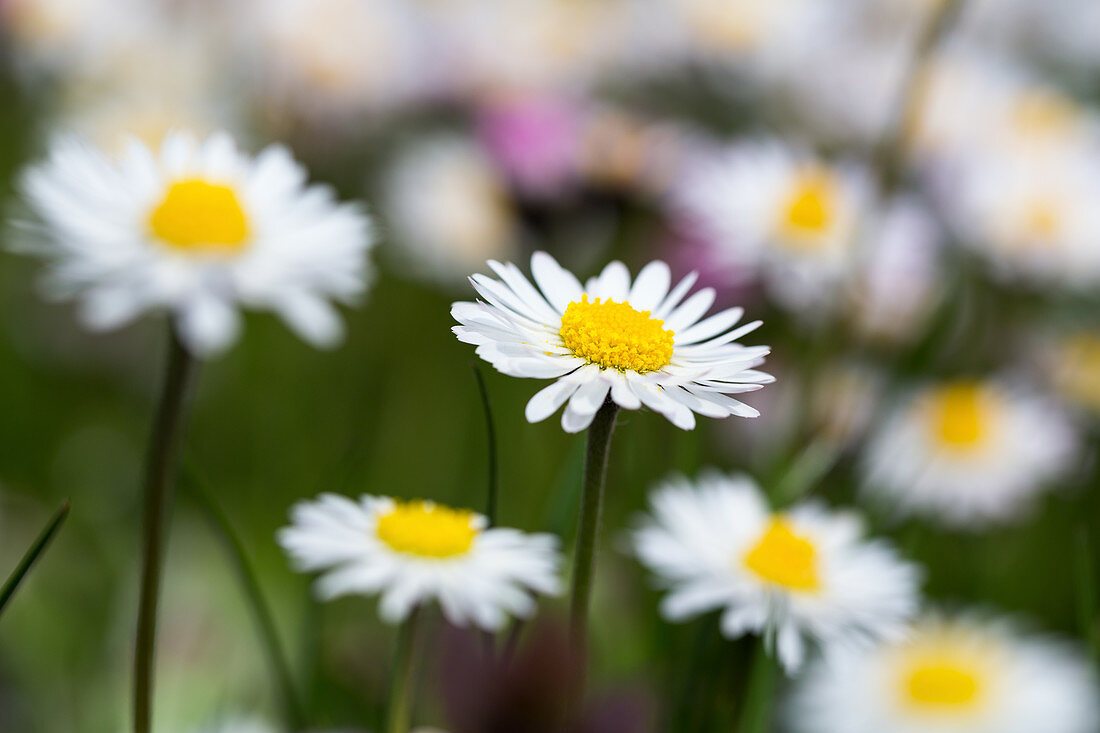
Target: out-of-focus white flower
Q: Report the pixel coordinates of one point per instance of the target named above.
(968, 453)
(411, 552)
(530, 45)
(743, 30)
(199, 229)
(951, 675)
(896, 285)
(1034, 222)
(802, 575)
(239, 725)
(844, 400)
(534, 139)
(335, 57)
(638, 343)
(1065, 33)
(449, 208)
(775, 212)
(60, 36)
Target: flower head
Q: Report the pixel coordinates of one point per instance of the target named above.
(951, 675)
(794, 576)
(639, 343)
(410, 552)
(198, 229)
(968, 452)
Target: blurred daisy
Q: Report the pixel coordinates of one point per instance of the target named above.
(968, 453)
(771, 211)
(411, 552)
(641, 343)
(798, 576)
(199, 229)
(449, 208)
(961, 675)
(334, 57)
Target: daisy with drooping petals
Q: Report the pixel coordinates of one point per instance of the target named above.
(411, 552)
(770, 211)
(199, 229)
(798, 576)
(969, 453)
(642, 343)
(951, 675)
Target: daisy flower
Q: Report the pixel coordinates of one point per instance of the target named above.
(951, 675)
(411, 552)
(798, 576)
(1073, 363)
(449, 208)
(968, 452)
(772, 212)
(197, 228)
(642, 343)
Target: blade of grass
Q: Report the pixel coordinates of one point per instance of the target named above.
(758, 705)
(491, 436)
(30, 557)
(250, 586)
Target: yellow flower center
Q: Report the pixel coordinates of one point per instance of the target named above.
(1040, 112)
(960, 414)
(784, 558)
(942, 685)
(427, 529)
(196, 216)
(615, 336)
(1078, 372)
(1042, 221)
(810, 209)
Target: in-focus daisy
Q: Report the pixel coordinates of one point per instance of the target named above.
(449, 208)
(640, 342)
(798, 576)
(198, 228)
(772, 212)
(411, 552)
(969, 452)
(951, 675)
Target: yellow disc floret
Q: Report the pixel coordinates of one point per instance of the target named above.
(196, 216)
(784, 558)
(615, 336)
(427, 529)
(942, 684)
(810, 208)
(960, 414)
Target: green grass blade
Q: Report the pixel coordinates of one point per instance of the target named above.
(30, 557)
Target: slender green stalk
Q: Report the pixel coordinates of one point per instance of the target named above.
(1087, 603)
(32, 554)
(759, 694)
(491, 435)
(584, 558)
(163, 459)
(807, 469)
(261, 611)
(890, 151)
(404, 669)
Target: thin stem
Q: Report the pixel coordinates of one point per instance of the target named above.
(759, 694)
(163, 459)
(404, 665)
(890, 152)
(32, 554)
(595, 473)
(261, 610)
(491, 435)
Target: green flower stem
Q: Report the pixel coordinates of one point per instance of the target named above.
(584, 558)
(294, 718)
(404, 668)
(491, 435)
(32, 554)
(163, 459)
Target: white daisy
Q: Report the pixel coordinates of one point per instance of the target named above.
(196, 228)
(642, 343)
(771, 211)
(968, 452)
(449, 208)
(1072, 362)
(801, 575)
(960, 675)
(411, 552)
